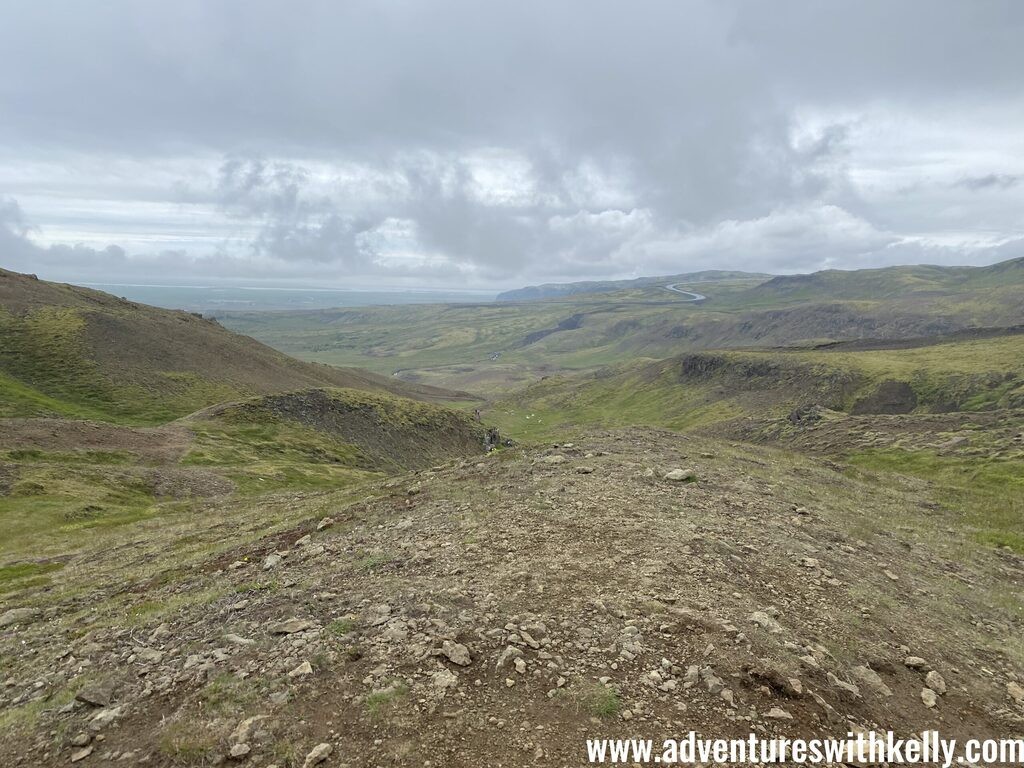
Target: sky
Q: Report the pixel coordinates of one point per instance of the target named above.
(464, 144)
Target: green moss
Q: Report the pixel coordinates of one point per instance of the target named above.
(373, 560)
(342, 626)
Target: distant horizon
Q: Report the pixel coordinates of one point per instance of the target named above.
(493, 146)
(296, 284)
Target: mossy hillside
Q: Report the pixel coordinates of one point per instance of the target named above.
(701, 389)
(344, 427)
(49, 505)
(49, 369)
(72, 352)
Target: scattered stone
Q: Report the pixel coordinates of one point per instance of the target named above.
(777, 713)
(81, 739)
(581, 470)
(149, 655)
(890, 575)
(95, 695)
(105, 717)
(456, 653)
(765, 621)
(510, 653)
(16, 616)
(272, 561)
(327, 522)
(936, 682)
(81, 754)
(234, 639)
(842, 685)
(681, 476)
(317, 755)
(928, 697)
(307, 539)
(444, 679)
(305, 669)
(291, 626)
(556, 459)
(915, 663)
(1016, 692)
(870, 680)
(243, 731)
(240, 751)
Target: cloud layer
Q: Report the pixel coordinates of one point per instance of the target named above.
(459, 143)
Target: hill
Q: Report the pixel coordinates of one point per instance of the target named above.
(76, 352)
(890, 283)
(558, 290)
(928, 375)
(946, 411)
(365, 430)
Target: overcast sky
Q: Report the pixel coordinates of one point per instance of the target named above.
(487, 144)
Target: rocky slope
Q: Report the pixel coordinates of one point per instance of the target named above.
(499, 611)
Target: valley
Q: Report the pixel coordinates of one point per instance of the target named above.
(491, 348)
(793, 507)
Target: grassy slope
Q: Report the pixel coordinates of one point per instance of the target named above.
(979, 374)
(315, 440)
(74, 352)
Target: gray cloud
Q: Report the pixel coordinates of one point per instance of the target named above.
(990, 181)
(495, 144)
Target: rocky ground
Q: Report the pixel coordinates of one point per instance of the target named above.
(499, 611)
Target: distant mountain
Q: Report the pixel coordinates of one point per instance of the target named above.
(71, 351)
(555, 290)
(889, 282)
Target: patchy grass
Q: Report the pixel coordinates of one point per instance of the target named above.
(190, 742)
(21, 720)
(24, 575)
(379, 703)
(599, 700)
(50, 505)
(373, 560)
(986, 494)
(698, 391)
(226, 694)
(342, 626)
(35, 456)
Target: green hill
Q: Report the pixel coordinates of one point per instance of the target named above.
(703, 388)
(74, 352)
(557, 290)
(920, 281)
